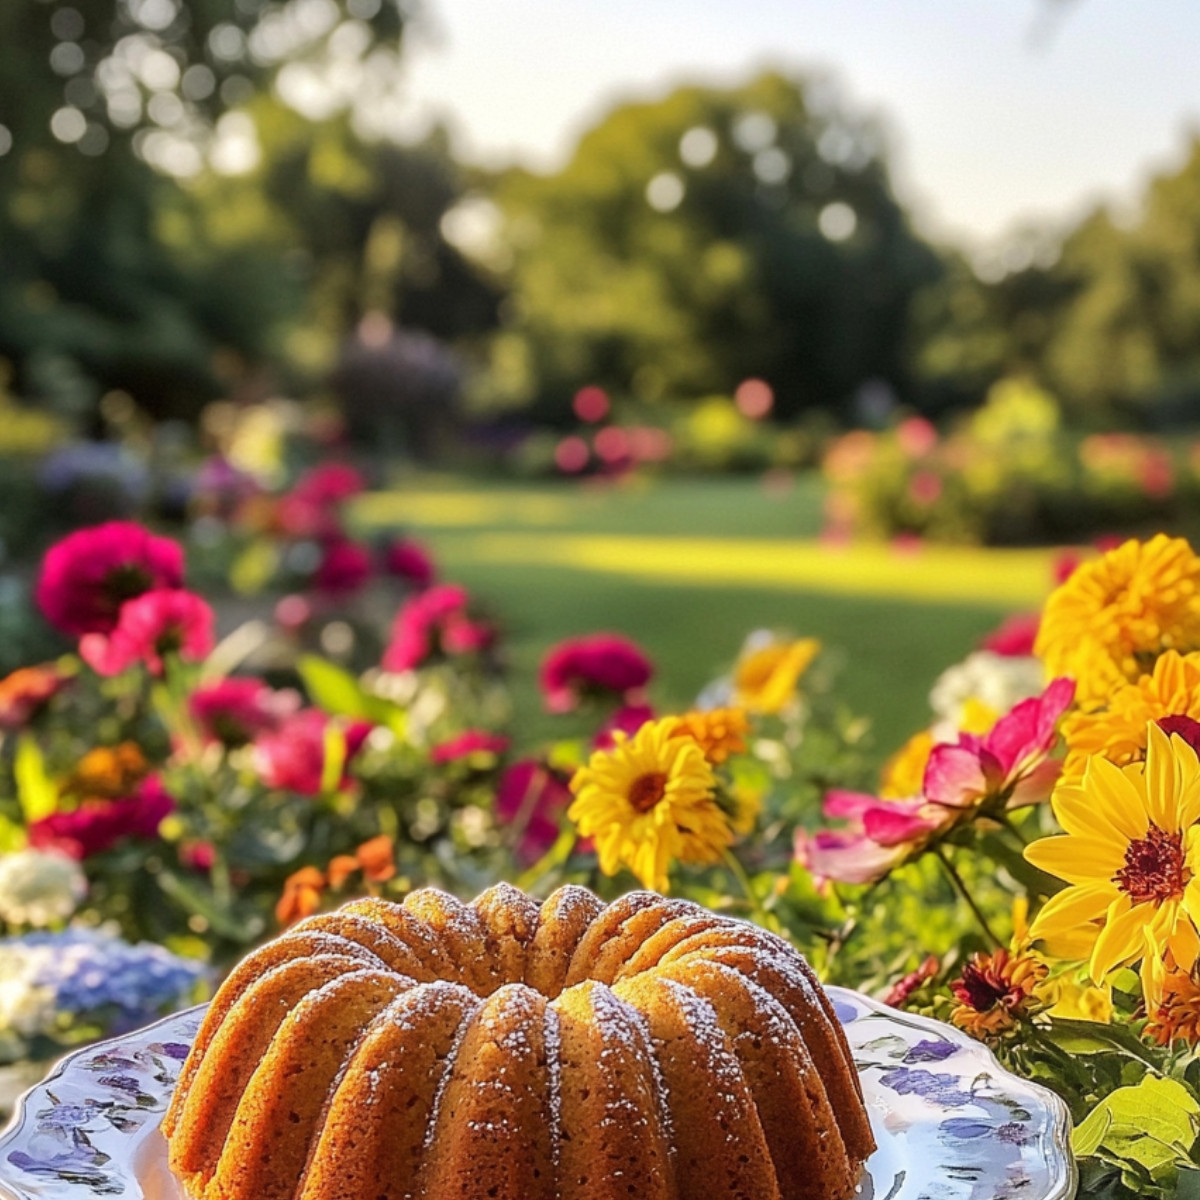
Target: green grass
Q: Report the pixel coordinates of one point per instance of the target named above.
(890, 649)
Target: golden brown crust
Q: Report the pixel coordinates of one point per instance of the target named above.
(505, 1049)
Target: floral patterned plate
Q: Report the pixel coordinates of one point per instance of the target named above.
(951, 1123)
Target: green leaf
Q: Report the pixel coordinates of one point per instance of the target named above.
(1152, 1125)
(35, 789)
(196, 899)
(339, 693)
(335, 758)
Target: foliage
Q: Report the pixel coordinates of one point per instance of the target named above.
(704, 238)
(1009, 474)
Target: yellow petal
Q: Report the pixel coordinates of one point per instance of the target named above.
(1122, 939)
(1091, 814)
(1073, 907)
(1160, 776)
(1118, 792)
(1076, 859)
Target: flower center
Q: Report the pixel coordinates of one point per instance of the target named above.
(980, 988)
(1184, 727)
(126, 582)
(647, 790)
(1153, 869)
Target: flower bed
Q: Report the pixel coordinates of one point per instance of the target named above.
(1027, 866)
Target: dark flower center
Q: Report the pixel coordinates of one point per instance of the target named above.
(647, 790)
(1153, 869)
(980, 988)
(1184, 727)
(126, 582)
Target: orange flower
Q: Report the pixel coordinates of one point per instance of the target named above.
(25, 691)
(301, 895)
(375, 858)
(108, 772)
(340, 868)
(719, 732)
(995, 991)
(1169, 696)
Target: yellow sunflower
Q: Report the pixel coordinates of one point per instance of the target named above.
(719, 732)
(648, 801)
(765, 678)
(1130, 853)
(1169, 694)
(1112, 618)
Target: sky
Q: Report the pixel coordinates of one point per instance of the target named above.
(999, 112)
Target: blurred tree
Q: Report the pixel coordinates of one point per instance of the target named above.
(105, 108)
(707, 237)
(1110, 323)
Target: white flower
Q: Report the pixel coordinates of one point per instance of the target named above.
(39, 889)
(27, 1008)
(995, 681)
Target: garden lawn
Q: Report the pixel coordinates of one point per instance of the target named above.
(687, 568)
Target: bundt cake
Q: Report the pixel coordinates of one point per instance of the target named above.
(506, 1050)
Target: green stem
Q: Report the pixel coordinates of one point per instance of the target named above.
(739, 873)
(957, 880)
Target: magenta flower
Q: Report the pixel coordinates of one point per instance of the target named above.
(531, 798)
(604, 664)
(329, 483)
(1014, 637)
(879, 835)
(435, 620)
(473, 741)
(90, 574)
(292, 756)
(150, 627)
(344, 568)
(97, 825)
(409, 560)
(1006, 768)
(235, 711)
(628, 719)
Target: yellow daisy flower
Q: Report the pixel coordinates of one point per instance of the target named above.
(719, 732)
(648, 801)
(1130, 853)
(1112, 618)
(903, 774)
(747, 803)
(1169, 694)
(765, 679)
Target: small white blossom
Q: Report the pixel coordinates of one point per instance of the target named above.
(27, 1008)
(39, 889)
(996, 681)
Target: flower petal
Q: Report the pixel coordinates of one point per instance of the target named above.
(1076, 859)
(1123, 937)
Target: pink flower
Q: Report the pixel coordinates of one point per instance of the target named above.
(1015, 636)
(329, 483)
(235, 711)
(292, 757)
(436, 620)
(344, 567)
(198, 856)
(879, 835)
(90, 574)
(603, 663)
(158, 623)
(627, 720)
(473, 741)
(409, 560)
(532, 798)
(1009, 767)
(98, 825)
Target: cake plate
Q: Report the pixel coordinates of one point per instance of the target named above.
(951, 1123)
